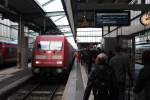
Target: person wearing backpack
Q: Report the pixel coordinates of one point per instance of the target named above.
(102, 81)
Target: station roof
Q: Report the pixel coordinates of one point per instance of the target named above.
(32, 14)
(84, 18)
(55, 11)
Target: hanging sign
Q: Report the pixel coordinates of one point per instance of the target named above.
(111, 18)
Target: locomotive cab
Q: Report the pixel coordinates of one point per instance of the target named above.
(50, 55)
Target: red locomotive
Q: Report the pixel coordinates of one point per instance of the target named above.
(52, 55)
(8, 52)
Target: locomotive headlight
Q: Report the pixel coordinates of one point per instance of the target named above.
(37, 62)
(59, 62)
(49, 51)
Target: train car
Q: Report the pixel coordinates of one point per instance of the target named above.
(52, 55)
(8, 52)
(139, 48)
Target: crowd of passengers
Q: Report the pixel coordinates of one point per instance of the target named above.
(108, 74)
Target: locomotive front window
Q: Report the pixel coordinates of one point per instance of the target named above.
(50, 45)
(43, 45)
(56, 45)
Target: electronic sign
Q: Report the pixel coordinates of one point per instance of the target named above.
(111, 18)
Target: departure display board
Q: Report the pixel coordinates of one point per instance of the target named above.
(121, 18)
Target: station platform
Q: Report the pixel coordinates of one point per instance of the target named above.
(77, 82)
(12, 77)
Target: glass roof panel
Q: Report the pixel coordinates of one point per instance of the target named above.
(52, 5)
(42, 1)
(60, 20)
(55, 18)
(56, 5)
(65, 29)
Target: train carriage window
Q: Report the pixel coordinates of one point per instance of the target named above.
(11, 51)
(139, 50)
(50, 45)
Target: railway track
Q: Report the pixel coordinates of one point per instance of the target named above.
(38, 91)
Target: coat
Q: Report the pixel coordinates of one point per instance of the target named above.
(143, 82)
(93, 77)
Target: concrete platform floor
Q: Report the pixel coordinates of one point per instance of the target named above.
(77, 82)
(11, 78)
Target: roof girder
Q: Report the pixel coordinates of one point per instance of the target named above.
(56, 13)
(48, 2)
(136, 7)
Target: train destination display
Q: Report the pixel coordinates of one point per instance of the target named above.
(112, 18)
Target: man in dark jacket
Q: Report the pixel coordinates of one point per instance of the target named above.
(121, 65)
(143, 80)
(102, 74)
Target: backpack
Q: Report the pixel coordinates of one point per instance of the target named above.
(102, 85)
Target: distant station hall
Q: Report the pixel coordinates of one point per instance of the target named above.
(74, 49)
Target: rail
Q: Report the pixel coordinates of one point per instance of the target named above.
(30, 92)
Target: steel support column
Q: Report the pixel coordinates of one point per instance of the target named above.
(21, 62)
(102, 31)
(19, 44)
(48, 2)
(53, 14)
(6, 3)
(133, 53)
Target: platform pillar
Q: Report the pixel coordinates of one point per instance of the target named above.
(21, 45)
(25, 52)
(133, 54)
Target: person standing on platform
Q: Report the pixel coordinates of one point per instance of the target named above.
(88, 59)
(110, 55)
(143, 80)
(76, 56)
(121, 65)
(101, 80)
